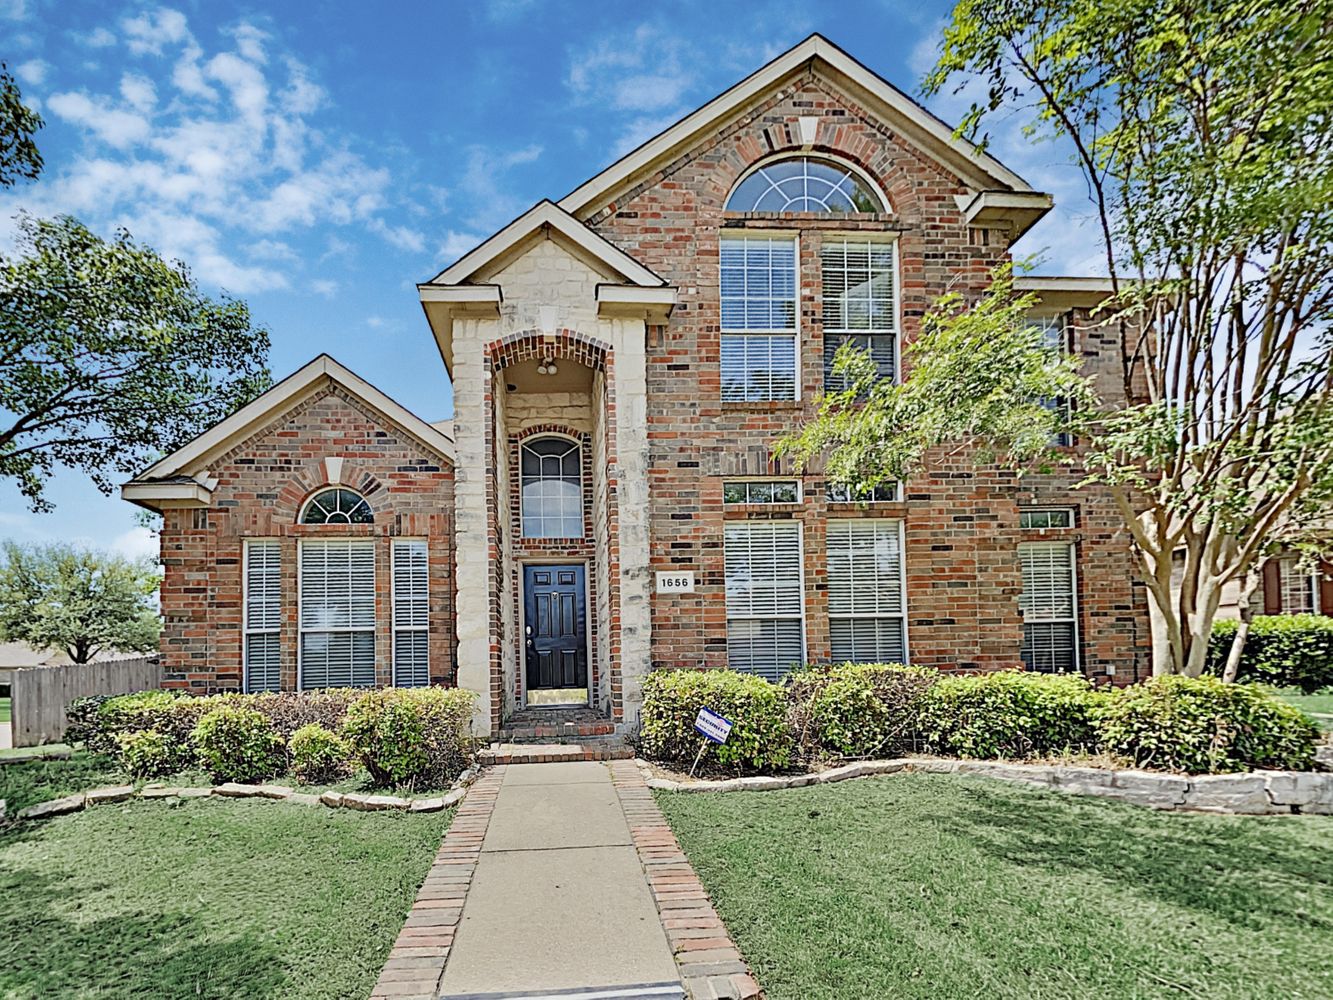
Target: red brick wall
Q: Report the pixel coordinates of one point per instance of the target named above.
(262, 485)
(961, 520)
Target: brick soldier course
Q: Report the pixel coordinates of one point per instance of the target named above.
(598, 321)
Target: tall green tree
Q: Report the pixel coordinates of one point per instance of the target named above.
(79, 601)
(1204, 133)
(109, 354)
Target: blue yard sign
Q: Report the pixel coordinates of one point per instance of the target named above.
(712, 726)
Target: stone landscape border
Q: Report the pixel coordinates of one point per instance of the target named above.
(710, 965)
(234, 790)
(1252, 793)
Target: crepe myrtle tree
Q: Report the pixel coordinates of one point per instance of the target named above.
(1203, 132)
(76, 600)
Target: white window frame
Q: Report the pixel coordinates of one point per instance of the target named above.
(1024, 511)
(396, 598)
(829, 487)
(748, 481)
(247, 546)
(896, 333)
(523, 517)
(902, 580)
(800, 574)
(1047, 322)
(795, 332)
(301, 630)
(1076, 661)
(1289, 567)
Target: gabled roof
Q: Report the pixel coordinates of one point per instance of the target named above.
(546, 215)
(182, 477)
(935, 138)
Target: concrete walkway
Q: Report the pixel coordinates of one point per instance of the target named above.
(559, 905)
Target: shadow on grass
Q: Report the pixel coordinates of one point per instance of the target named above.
(1249, 871)
(51, 952)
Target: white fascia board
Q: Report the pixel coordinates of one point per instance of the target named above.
(463, 296)
(547, 213)
(281, 397)
(1018, 210)
(652, 304)
(1062, 283)
(940, 142)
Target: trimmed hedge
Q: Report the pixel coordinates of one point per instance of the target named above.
(761, 738)
(1203, 726)
(318, 756)
(239, 744)
(146, 753)
(414, 737)
(1281, 650)
(859, 710)
(1010, 714)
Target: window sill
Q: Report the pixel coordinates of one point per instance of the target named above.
(748, 511)
(762, 406)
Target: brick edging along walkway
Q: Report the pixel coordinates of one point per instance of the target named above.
(416, 961)
(710, 965)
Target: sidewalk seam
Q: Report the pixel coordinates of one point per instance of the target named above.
(711, 967)
(416, 962)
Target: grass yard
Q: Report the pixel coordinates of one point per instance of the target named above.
(1318, 705)
(25, 784)
(206, 898)
(5, 709)
(948, 887)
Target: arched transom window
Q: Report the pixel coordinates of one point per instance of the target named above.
(804, 184)
(337, 506)
(552, 485)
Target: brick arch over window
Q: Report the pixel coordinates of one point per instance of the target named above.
(562, 344)
(314, 477)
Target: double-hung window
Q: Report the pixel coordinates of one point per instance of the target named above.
(759, 346)
(1049, 607)
(1298, 588)
(1055, 338)
(337, 614)
(866, 604)
(411, 613)
(765, 599)
(860, 303)
(263, 614)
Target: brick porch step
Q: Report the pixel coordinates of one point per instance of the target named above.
(549, 753)
(546, 725)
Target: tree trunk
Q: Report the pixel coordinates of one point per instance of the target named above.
(1246, 609)
(1165, 637)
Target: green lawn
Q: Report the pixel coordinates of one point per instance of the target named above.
(1318, 705)
(948, 887)
(207, 899)
(40, 780)
(4, 710)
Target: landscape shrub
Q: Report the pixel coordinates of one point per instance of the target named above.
(761, 738)
(1009, 714)
(170, 714)
(1281, 650)
(291, 710)
(859, 710)
(236, 743)
(146, 753)
(415, 737)
(82, 720)
(1201, 725)
(318, 756)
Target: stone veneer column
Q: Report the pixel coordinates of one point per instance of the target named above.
(631, 401)
(473, 546)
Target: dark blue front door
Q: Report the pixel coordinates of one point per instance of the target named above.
(555, 619)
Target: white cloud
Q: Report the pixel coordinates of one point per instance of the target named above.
(14, 10)
(137, 543)
(324, 287)
(98, 38)
(214, 157)
(114, 126)
(375, 322)
(147, 33)
(33, 72)
(138, 91)
(456, 244)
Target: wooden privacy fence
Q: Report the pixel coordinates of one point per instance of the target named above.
(39, 695)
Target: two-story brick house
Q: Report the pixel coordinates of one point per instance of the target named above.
(605, 501)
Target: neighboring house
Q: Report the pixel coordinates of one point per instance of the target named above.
(606, 502)
(1287, 587)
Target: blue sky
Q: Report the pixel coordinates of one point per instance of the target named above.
(319, 158)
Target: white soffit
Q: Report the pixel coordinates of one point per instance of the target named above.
(932, 135)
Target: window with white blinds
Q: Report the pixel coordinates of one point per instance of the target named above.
(263, 614)
(860, 303)
(337, 613)
(758, 279)
(1049, 607)
(411, 613)
(765, 600)
(866, 605)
